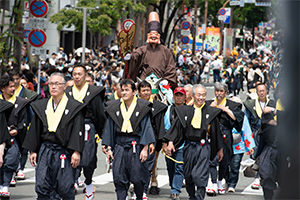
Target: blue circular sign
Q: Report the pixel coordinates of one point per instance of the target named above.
(222, 11)
(38, 8)
(185, 39)
(37, 37)
(185, 25)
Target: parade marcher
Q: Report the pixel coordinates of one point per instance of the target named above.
(175, 161)
(141, 62)
(189, 95)
(55, 139)
(94, 118)
(230, 117)
(17, 123)
(253, 111)
(242, 142)
(5, 111)
(23, 92)
(268, 157)
(127, 135)
(197, 126)
(157, 119)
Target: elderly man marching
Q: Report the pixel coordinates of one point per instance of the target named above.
(197, 126)
(56, 140)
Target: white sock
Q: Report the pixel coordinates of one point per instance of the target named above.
(219, 183)
(21, 171)
(256, 181)
(89, 189)
(79, 179)
(215, 186)
(144, 194)
(1, 188)
(5, 189)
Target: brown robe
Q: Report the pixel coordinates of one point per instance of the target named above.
(145, 60)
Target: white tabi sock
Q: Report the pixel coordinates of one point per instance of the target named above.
(219, 183)
(1, 188)
(5, 189)
(89, 189)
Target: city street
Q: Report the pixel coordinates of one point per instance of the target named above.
(105, 189)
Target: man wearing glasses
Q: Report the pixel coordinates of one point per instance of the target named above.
(56, 135)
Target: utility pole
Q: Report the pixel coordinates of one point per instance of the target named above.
(205, 22)
(195, 27)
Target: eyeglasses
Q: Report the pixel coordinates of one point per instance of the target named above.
(55, 84)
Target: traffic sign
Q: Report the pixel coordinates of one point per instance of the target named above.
(40, 23)
(37, 37)
(185, 32)
(221, 17)
(26, 5)
(222, 11)
(234, 3)
(185, 25)
(38, 8)
(26, 33)
(37, 50)
(185, 39)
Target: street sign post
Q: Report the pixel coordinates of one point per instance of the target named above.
(40, 23)
(185, 25)
(37, 37)
(185, 32)
(222, 11)
(185, 39)
(37, 50)
(38, 8)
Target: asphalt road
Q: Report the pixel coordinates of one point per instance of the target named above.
(105, 189)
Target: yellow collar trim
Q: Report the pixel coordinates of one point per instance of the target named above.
(258, 108)
(116, 95)
(224, 101)
(197, 118)
(18, 91)
(11, 100)
(79, 95)
(54, 117)
(279, 107)
(126, 114)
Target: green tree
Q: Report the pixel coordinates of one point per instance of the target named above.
(100, 20)
(10, 39)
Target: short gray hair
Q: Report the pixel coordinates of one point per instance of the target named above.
(197, 86)
(59, 74)
(219, 86)
(189, 85)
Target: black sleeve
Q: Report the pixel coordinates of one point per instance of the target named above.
(98, 111)
(4, 134)
(22, 125)
(175, 133)
(239, 118)
(216, 138)
(76, 140)
(33, 139)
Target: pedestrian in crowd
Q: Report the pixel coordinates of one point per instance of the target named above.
(56, 140)
(17, 123)
(93, 97)
(217, 65)
(175, 160)
(195, 126)
(127, 135)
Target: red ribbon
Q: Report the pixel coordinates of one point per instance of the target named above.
(224, 136)
(167, 86)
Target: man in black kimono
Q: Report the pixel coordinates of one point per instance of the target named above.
(94, 117)
(269, 159)
(231, 116)
(127, 135)
(197, 126)
(56, 135)
(157, 119)
(17, 123)
(5, 111)
(21, 91)
(253, 111)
